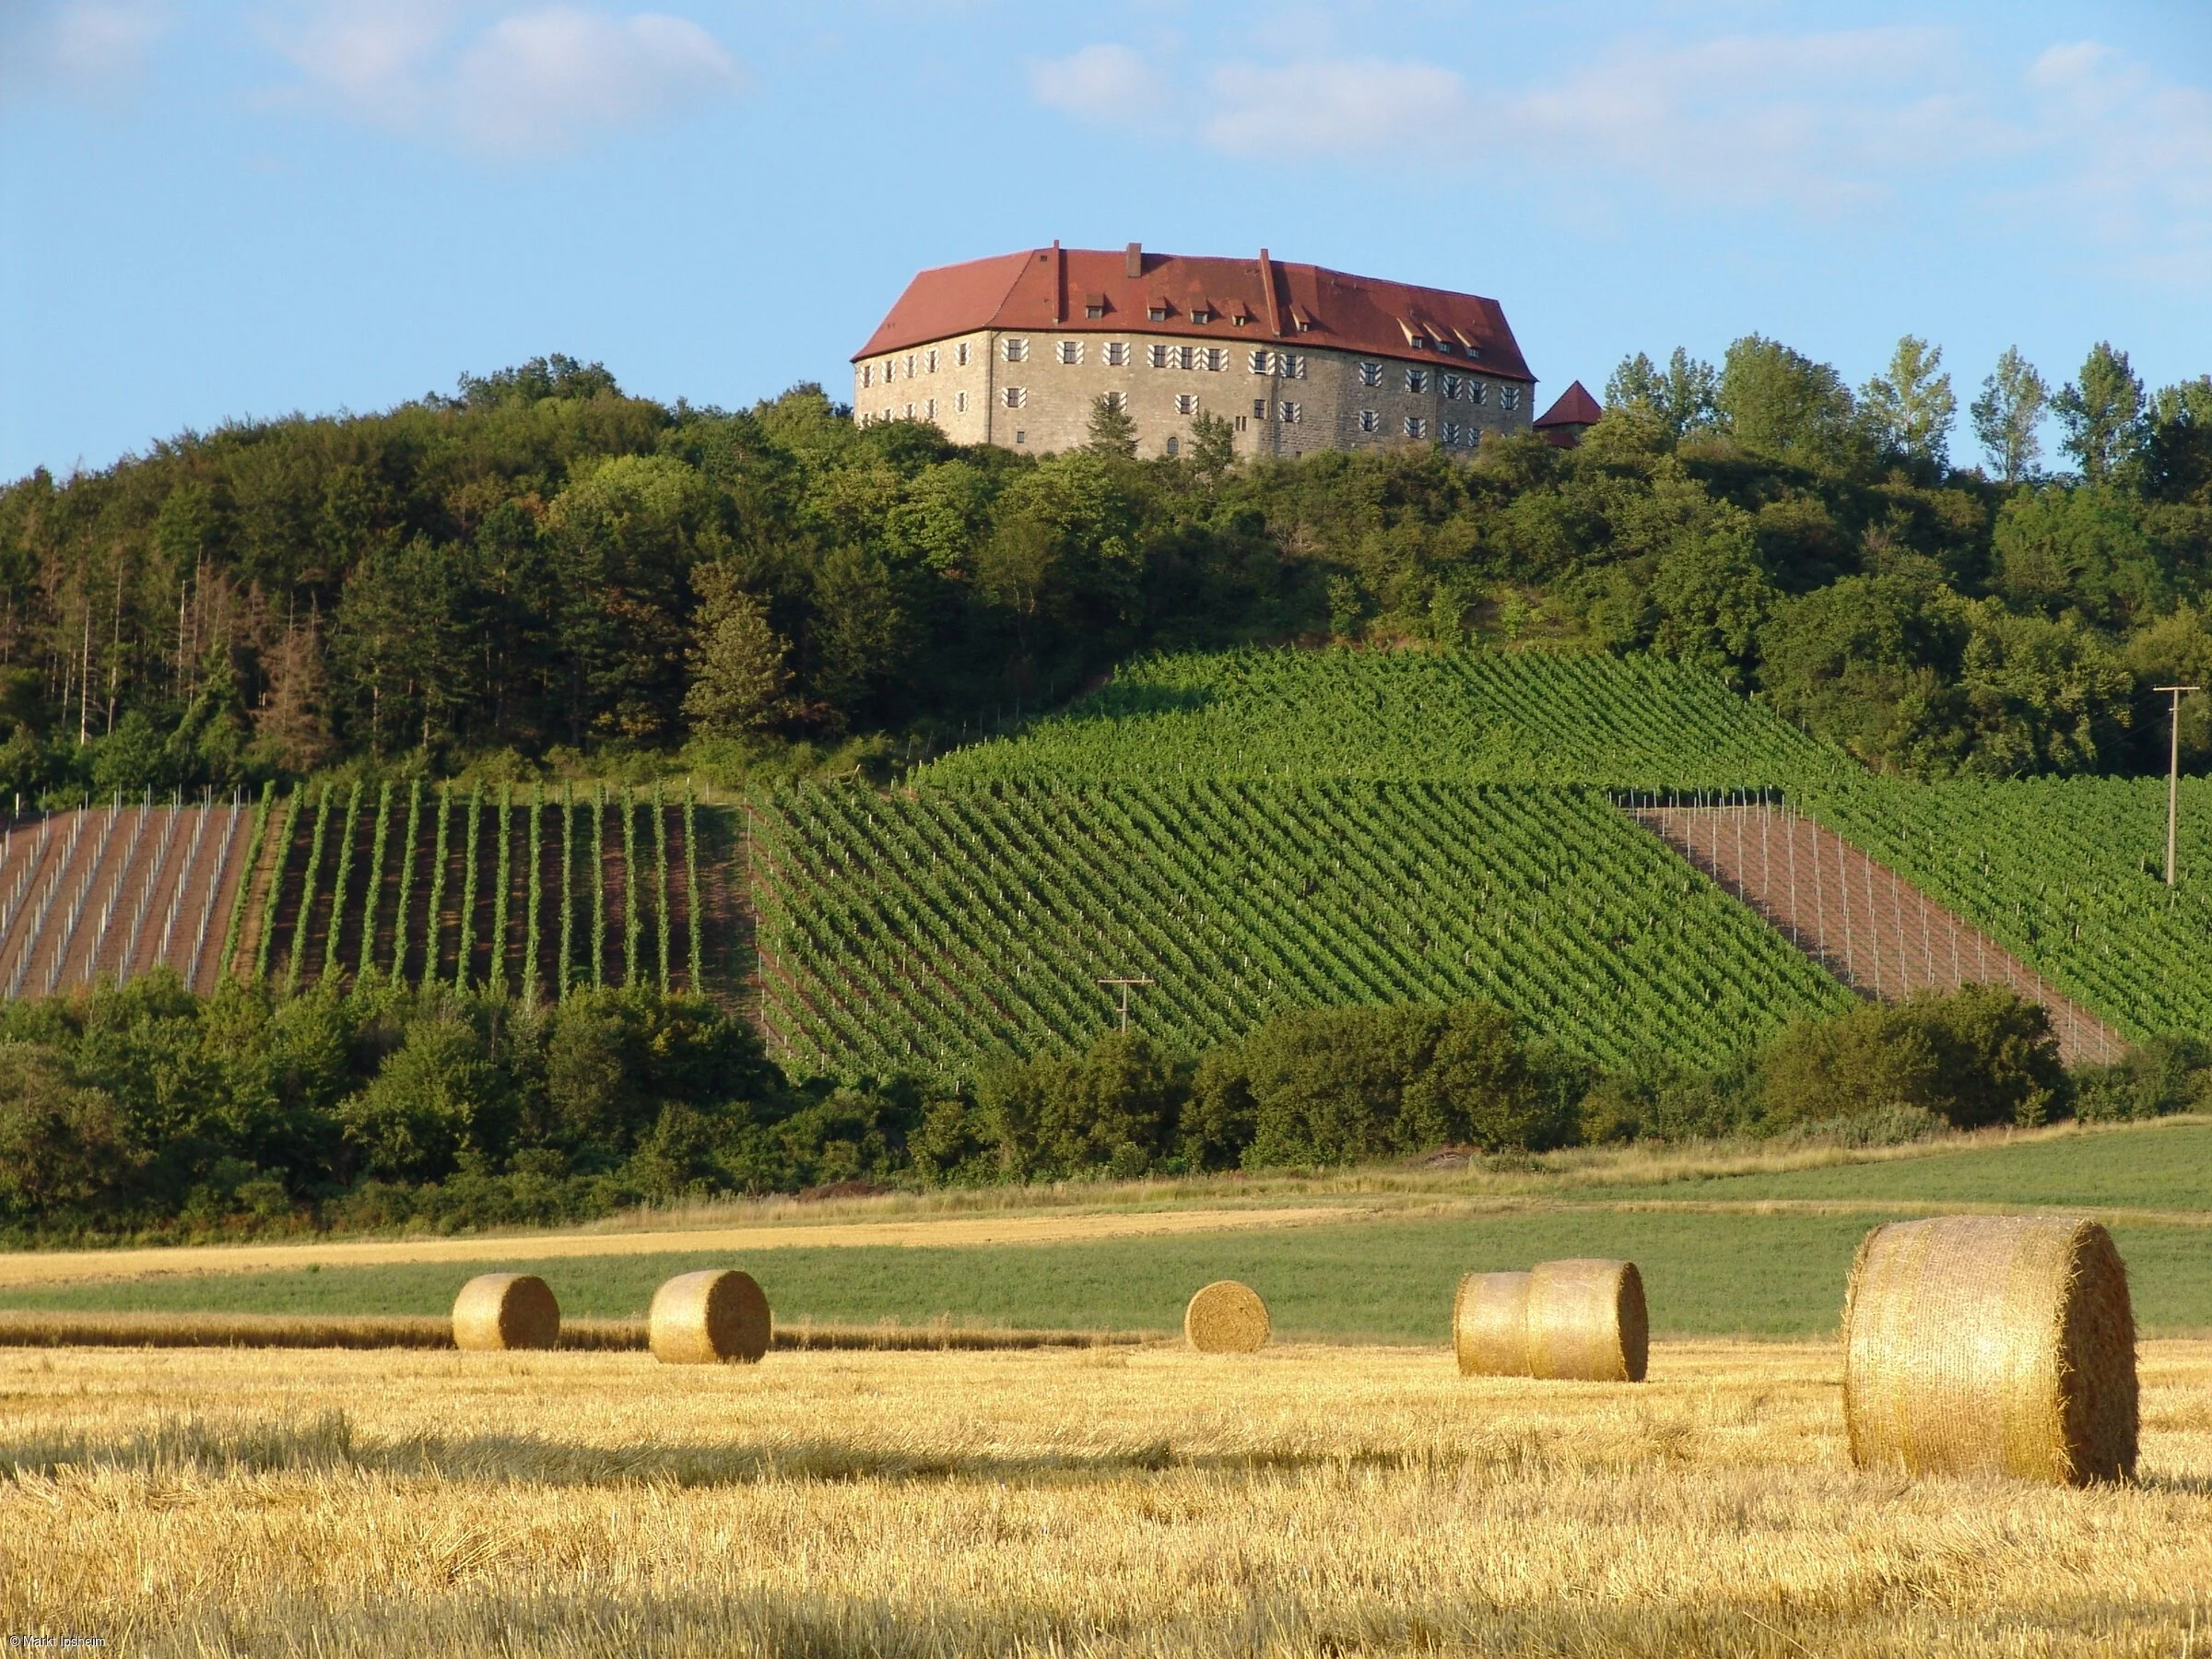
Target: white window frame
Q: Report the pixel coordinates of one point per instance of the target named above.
(910, 412)
(1371, 374)
(1217, 358)
(1292, 414)
(1262, 360)
(868, 374)
(1451, 433)
(929, 359)
(1017, 351)
(929, 408)
(1016, 397)
(1071, 353)
(1477, 390)
(959, 355)
(1370, 421)
(1290, 365)
(1117, 354)
(1416, 427)
(1156, 355)
(1450, 386)
(1417, 381)
(1509, 396)
(1186, 402)
(960, 403)
(1117, 401)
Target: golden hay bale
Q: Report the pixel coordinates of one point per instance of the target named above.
(1586, 1321)
(506, 1310)
(1489, 1325)
(707, 1317)
(1225, 1318)
(1989, 1345)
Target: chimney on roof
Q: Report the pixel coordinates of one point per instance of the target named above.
(1132, 261)
(1059, 282)
(1275, 317)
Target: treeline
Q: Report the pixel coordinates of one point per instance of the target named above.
(146, 1112)
(544, 568)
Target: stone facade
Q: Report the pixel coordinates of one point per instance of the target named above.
(1034, 389)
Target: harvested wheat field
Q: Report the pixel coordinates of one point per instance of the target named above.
(1305, 1501)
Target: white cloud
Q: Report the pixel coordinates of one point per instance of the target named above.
(1100, 82)
(527, 82)
(534, 82)
(2131, 155)
(77, 43)
(1355, 106)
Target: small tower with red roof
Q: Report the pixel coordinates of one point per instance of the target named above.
(1565, 422)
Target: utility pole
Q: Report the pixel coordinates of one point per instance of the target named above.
(1124, 984)
(2173, 772)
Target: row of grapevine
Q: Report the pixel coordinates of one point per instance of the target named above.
(2068, 874)
(459, 889)
(936, 932)
(1470, 716)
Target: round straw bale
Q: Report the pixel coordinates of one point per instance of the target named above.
(1225, 1318)
(1990, 1345)
(506, 1310)
(1489, 1325)
(1586, 1321)
(706, 1317)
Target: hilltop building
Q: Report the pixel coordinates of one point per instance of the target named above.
(1016, 350)
(1575, 412)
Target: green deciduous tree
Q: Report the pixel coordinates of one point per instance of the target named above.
(1683, 398)
(1911, 407)
(2006, 415)
(2101, 413)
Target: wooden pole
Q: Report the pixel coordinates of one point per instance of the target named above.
(2173, 773)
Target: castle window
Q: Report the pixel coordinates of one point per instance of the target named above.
(1291, 365)
(1416, 379)
(929, 359)
(1452, 432)
(1156, 355)
(1117, 401)
(1071, 351)
(1240, 423)
(1414, 426)
(1217, 358)
(1017, 350)
(910, 411)
(1259, 408)
(1117, 354)
(1186, 357)
(929, 410)
(1020, 437)
(1509, 397)
(910, 365)
(1263, 362)
(1292, 412)
(960, 403)
(1174, 447)
(1370, 421)
(1200, 314)
(1371, 374)
(1186, 402)
(959, 354)
(1158, 313)
(1016, 397)
(868, 374)
(1475, 392)
(1451, 383)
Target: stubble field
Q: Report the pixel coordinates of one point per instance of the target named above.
(1306, 1501)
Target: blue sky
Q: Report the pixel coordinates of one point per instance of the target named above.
(211, 210)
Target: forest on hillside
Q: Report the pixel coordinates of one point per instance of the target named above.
(543, 574)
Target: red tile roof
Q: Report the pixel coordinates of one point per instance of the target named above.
(1323, 308)
(1576, 407)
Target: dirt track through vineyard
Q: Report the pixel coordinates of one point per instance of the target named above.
(1862, 920)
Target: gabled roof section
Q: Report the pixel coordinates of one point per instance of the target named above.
(1277, 301)
(1575, 407)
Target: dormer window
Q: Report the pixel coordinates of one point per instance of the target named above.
(1418, 342)
(1094, 306)
(1157, 312)
(1199, 314)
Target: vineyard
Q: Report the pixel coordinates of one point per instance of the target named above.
(1476, 717)
(932, 933)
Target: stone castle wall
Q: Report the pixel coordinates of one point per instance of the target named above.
(1034, 390)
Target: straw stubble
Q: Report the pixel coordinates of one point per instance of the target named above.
(1990, 1345)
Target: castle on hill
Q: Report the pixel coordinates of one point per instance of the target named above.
(1016, 350)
